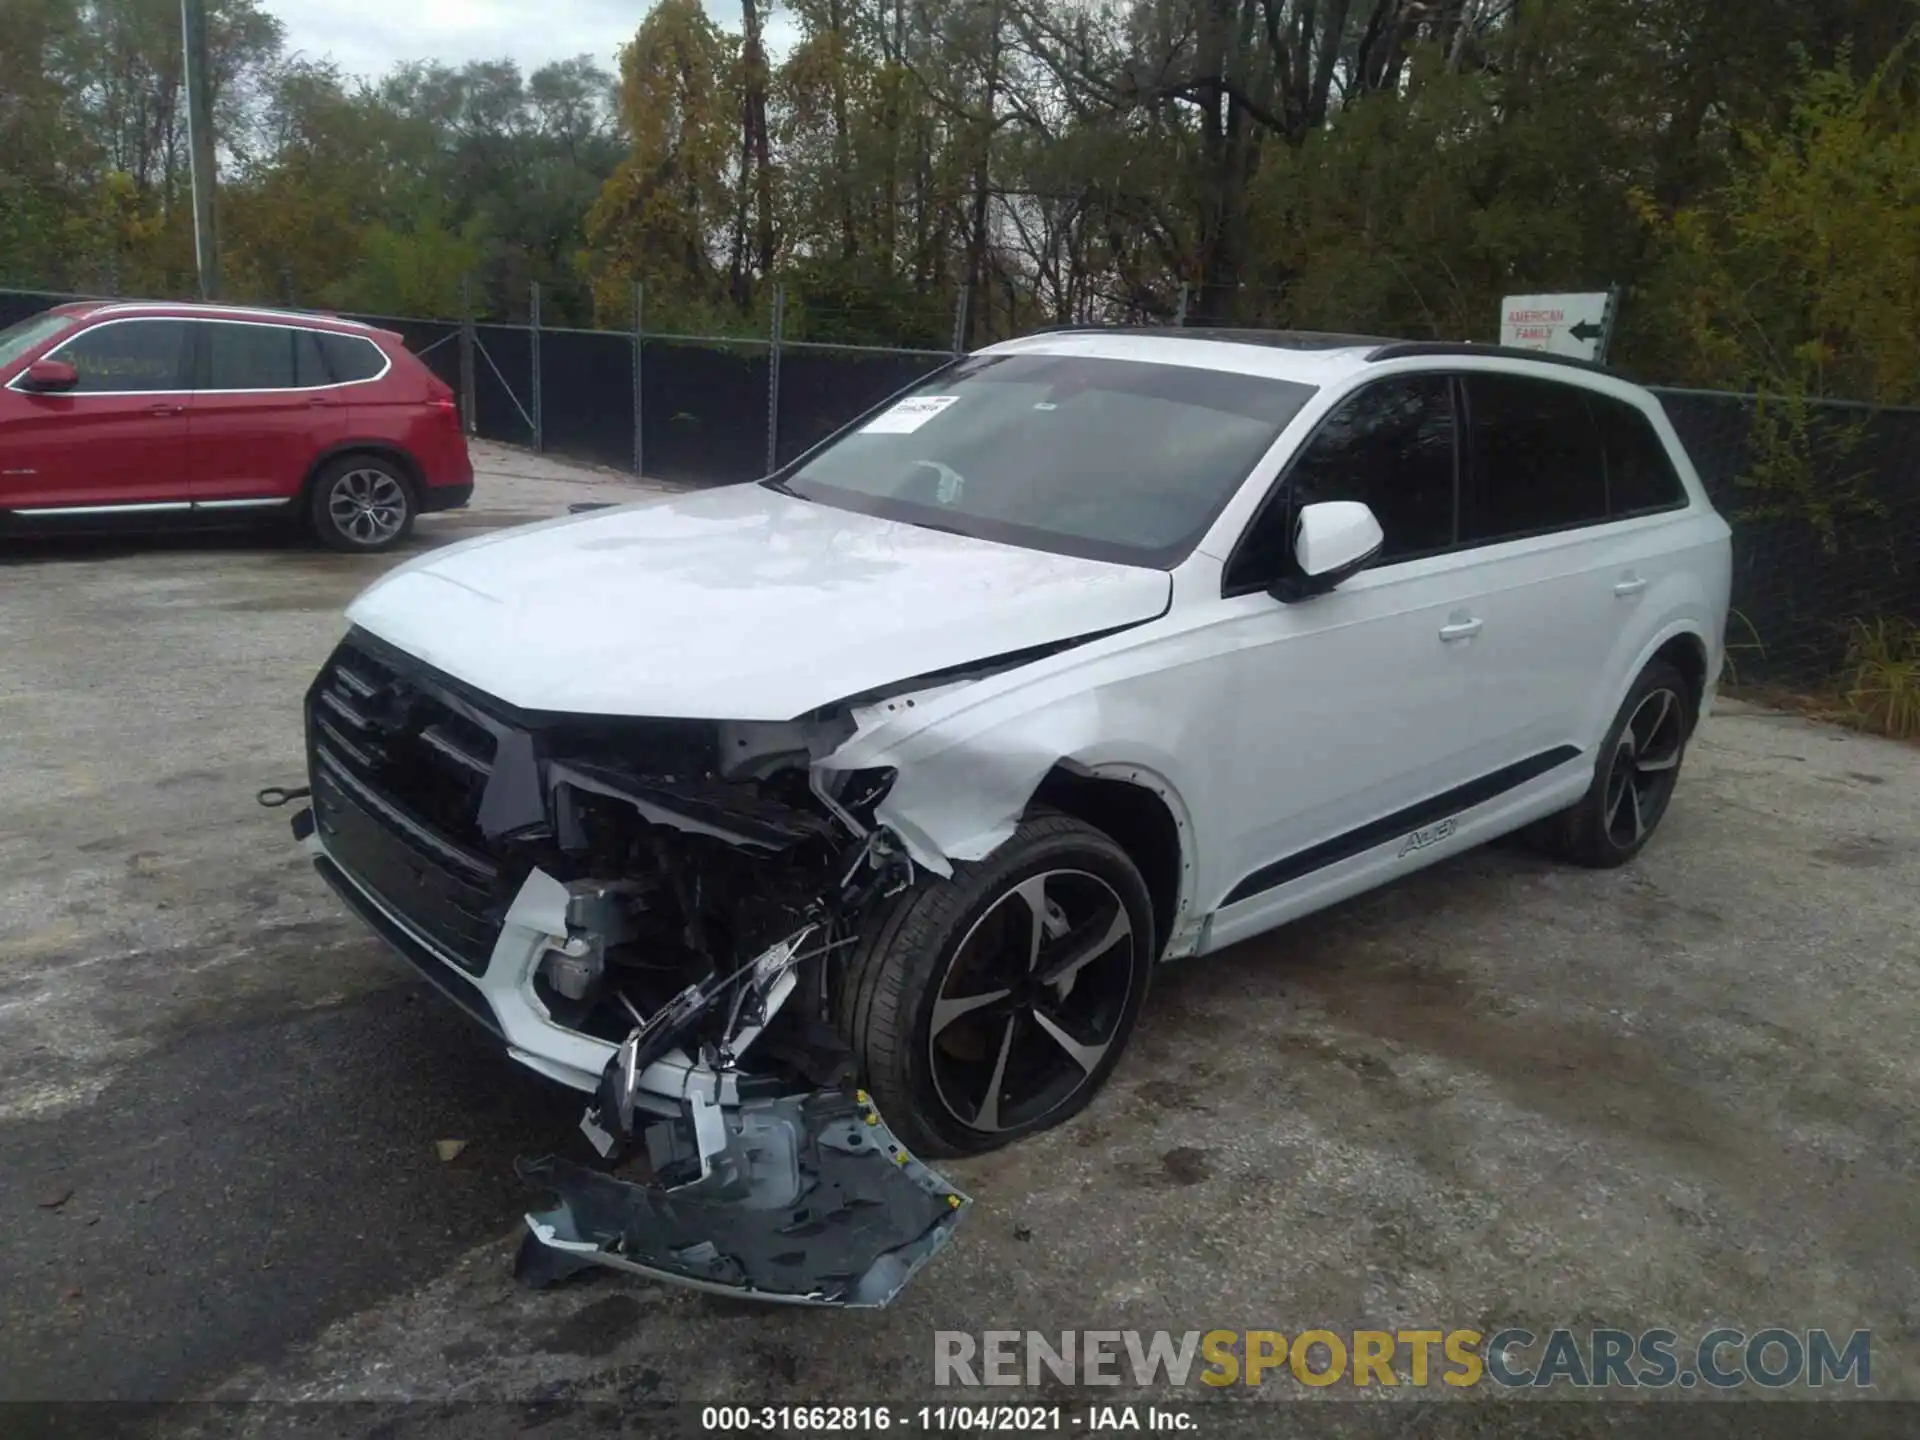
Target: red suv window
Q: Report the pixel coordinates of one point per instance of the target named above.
(351, 357)
(260, 357)
(24, 335)
(247, 355)
(128, 356)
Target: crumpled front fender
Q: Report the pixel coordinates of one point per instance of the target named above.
(967, 758)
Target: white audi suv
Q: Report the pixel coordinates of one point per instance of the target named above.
(810, 823)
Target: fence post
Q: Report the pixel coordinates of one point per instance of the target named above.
(533, 342)
(467, 391)
(1180, 314)
(639, 345)
(773, 379)
(1607, 323)
(960, 321)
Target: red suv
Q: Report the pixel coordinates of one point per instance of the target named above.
(114, 412)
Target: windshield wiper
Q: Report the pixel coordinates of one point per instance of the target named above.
(774, 482)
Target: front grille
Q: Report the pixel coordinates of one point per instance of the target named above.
(422, 959)
(398, 771)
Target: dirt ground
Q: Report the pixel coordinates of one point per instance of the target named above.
(1681, 1094)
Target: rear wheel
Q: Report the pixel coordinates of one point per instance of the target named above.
(1634, 777)
(996, 1003)
(361, 503)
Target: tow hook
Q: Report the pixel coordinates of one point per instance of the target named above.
(274, 796)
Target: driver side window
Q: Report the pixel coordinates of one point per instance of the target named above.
(1390, 446)
(128, 357)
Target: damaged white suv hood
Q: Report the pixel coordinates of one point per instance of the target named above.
(738, 603)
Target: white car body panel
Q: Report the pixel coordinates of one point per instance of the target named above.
(737, 603)
(1267, 728)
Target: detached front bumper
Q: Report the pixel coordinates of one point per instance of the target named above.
(810, 1200)
(800, 1198)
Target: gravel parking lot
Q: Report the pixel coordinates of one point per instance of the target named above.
(1499, 1093)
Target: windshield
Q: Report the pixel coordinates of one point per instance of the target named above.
(1108, 459)
(17, 339)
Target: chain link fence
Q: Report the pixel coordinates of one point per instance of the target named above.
(1824, 501)
(695, 409)
(1823, 497)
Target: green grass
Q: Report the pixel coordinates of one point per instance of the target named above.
(1882, 677)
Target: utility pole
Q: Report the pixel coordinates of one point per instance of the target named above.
(193, 50)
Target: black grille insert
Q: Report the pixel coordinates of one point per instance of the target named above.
(398, 769)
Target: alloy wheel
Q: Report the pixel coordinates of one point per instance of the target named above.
(1033, 1001)
(1646, 765)
(369, 507)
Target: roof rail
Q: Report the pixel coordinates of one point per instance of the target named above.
(1419, 349)
(214, 310)
(1195, 330)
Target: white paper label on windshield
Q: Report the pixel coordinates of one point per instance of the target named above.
(908, 416)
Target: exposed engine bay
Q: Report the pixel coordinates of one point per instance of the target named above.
(677, 893)
(699, 903)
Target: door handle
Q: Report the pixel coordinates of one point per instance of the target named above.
(1460, 630)
(1630, 584)
(165, 409)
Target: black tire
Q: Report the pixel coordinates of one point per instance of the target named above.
(1634, 775)
(910, 960)
(361, 504)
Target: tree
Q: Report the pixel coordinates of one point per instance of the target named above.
(46, 156)
(658, 215)
(1380, 165)
(1800, 274)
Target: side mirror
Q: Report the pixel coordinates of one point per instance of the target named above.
(51, 376)
(1331, 542)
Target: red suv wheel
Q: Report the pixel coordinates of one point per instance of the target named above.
(361, 503)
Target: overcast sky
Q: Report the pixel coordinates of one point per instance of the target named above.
(365, 37)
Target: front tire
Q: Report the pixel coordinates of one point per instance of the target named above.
(1634, 776)
(361, 504)
(995, 1004)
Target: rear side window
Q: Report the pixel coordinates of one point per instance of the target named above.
(1640, 476)
(260, 357)
(128, 357)
(284, 357)
(309, 363)
(350, 357)
(1535, 461)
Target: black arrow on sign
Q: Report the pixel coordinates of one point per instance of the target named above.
(1585, 330)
